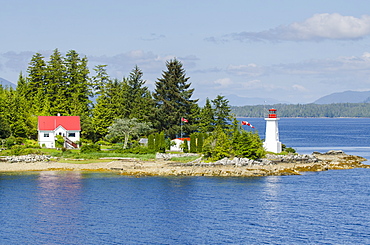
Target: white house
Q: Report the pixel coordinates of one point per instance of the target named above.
(176, 144)
(67, 126)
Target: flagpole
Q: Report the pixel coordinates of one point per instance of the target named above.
(181, 126)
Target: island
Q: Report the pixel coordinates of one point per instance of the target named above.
(271, 165)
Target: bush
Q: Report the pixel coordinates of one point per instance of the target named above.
(102, 142)
(89, 148)
(31, 144)
(10, 142)
(17, 150)
(59, 142)
(287, 149)
(185, 146)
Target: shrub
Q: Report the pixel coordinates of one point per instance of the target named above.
(88, 148)
(17, 150)
(10, 142)
(59, 142)
(185, 146)
(102, 142)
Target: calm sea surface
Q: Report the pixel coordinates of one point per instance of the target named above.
(331, 207)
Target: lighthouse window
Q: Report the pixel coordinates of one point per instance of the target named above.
(46, 135)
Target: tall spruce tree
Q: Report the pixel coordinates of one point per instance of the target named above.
(35, 80)
(172, 96)
(140, 103)
(78, 89)
(222, 112)
(206, 119)
(56, 84)
(110, 105)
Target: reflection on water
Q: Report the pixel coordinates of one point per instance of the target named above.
(58, 195)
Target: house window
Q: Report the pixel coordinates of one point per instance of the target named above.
(71, 134)
(46, 135)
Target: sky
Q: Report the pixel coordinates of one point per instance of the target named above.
(274, 50)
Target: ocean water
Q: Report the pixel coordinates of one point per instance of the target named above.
(330, 207)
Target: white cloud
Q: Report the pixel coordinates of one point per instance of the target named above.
(223, 82)
(318, 27)
(253, 84)
(299, 88)
(345, 64)
(245, 70)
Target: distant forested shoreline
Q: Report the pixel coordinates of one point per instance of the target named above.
(305, 110)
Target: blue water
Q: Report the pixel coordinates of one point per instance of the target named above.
(330, 207)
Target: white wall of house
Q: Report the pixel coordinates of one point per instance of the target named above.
(48, 138)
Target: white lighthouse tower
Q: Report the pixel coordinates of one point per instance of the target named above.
(272, 142)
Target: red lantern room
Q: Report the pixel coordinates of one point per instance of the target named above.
(272, 113)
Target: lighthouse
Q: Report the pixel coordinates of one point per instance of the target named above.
(272, 142)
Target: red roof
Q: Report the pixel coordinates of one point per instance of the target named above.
(52, 122)
(182, 139)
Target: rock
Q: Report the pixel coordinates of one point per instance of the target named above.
(168, 156)
(334, 152)
(28, 158)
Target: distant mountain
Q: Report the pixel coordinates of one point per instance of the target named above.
(345, 97)
(6, 83)
(236, 100)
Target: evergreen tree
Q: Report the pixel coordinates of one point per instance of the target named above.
(185, 146)
(36, 75)
(206, 119)
(139, 99)
(151, 143)
(56, 84)
(200, 142)
(247, 144)
(78, 89)
(99, 81)
(217, 145)
(193, 142)
(5, 131)
(36, 89)
(173, 99)
(111, 104)
(222, 112)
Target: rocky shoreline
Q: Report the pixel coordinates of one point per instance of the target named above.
(272, 165)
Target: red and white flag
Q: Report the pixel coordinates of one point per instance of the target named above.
(184, 120)
(247, 123)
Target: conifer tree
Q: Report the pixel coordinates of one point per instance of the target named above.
(36, 74)
(111, 104)
(78, 89)
(206, 119)
(139, 99)
(222, 112)
(193, 142)
(35, 80)
(173, 99)
(56, 84)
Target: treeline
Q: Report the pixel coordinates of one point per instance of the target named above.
(125, 109)
(305, 110)
(63, 85)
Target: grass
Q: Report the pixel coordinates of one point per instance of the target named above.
(184, 159)
(75, 154)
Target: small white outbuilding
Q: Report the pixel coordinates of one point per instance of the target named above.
(176, 144)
